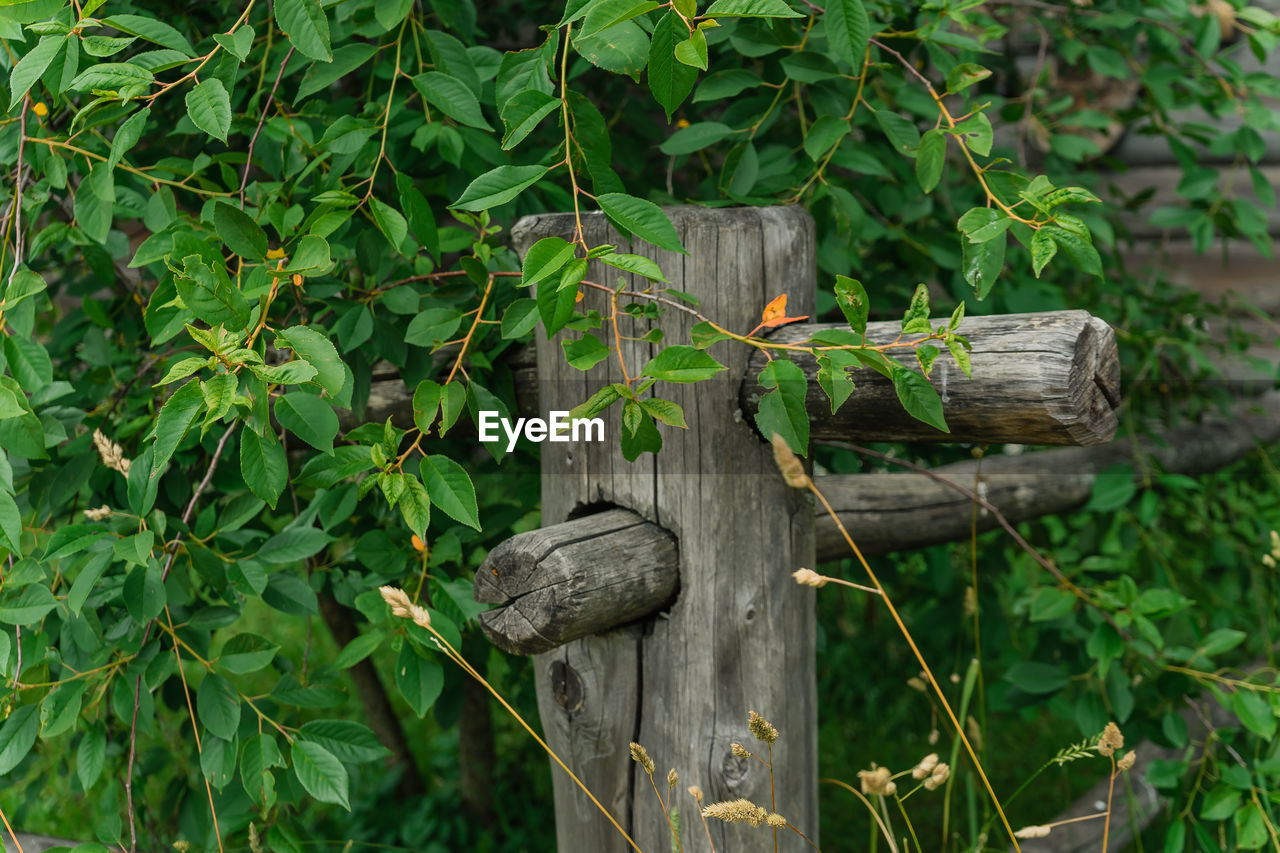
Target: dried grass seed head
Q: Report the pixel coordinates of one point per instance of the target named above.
(640, 756)
(761, 728)
(403, 607)
(1111, 739)
(673, 778)
(739, 750)
(696, 793)
(775, 820)
(877, 780)
(100, 514)
(789, 464)
(1033, 832)
(925, 767)
(808, 577)
(736, 811)
(112, 454)
(1128, 761)
(938, 777)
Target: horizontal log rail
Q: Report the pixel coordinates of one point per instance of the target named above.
(592, 574)
(1051, 378)
(573, 579)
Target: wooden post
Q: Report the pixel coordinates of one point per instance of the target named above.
(740, 634)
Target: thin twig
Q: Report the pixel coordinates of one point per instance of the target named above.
(253, 140)
(12, 834)
(17, 192)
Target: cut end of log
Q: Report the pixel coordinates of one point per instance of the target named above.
(570, 580)
(1094, 386)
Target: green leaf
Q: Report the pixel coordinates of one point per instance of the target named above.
(546, 257)
(555, 304)
(519, 318)
(218, 705)
(498, 186)
(246, 653)
(982, 264)
(695, 137)
(919, 398)
(419, 680)
(152, 30)
(1255, 713)
(1052, 603)
(31, 605)
(433, 327)
(638, 264)
(91, 757)
(693, 50)
(607, 13)
(259, 756)
(751, 9)
(10, 523)
(1220, 803)
(848, 31)
(644, 219)
(318, 351)
(17, 736)
(682, 364)
(211, 295)
(293, 544)
(304, 22)
(127, 136)
(320, 75)
(1043, 248)
(669, 81)
(930, 159)
(584, 353)
(310, 257)
(852, 299)
(22, 285)
(347, 740)
(33, 64)
(977, 133)
(964, 75)
(415, 504)
(624, 49)
(209, 108)
(122, 77)
(238, 43)
(1113, 488)
(916, 318)
(239, 232)
(782, 411)
(390, 222)
(824, 133)
(144, 594)
(358, 649)
(524, 112)
(1038, 678)
(596, 403)
(264, 465)
(135, 548)
(666, 411)
(1078, 249)
(176, 417)
(642, 434)
(452, 97)
(902, 134)
(704, 335)
(309, 418)
(320, 772)
(833, 376)
(449, 487)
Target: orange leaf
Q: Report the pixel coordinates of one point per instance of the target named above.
(775, 309)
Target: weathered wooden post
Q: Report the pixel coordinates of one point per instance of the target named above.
(740, 633)
(657, 597)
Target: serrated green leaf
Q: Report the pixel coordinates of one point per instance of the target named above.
(175, 419)
(449, 488)
(209, 108)
(320, 772)
(644, 219)
(239, 232)
(306, 26)
(453, 98)
(930, 159)
(498, 186)
(919, 398)
(682, 364)
(848, 31)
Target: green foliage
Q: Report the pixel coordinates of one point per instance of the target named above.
(224, 224)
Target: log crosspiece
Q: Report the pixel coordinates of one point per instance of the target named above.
(566, 581)
(1050, 378)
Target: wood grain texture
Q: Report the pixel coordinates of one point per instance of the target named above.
(887, 512)
(569, 580)
(1050, 378)
(740, 635)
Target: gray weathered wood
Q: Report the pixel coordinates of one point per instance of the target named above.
(1037, 379)
(569, 580)
(887, 512)
(740, 635)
